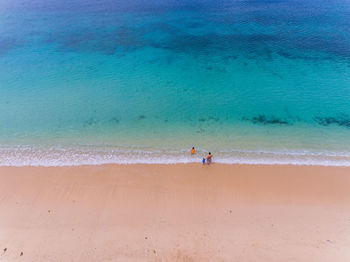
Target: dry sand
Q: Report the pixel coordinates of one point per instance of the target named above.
(175, 213)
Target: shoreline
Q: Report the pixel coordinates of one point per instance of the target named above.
(76, 156)
(188, 164)
(165, 162)
(176, 164)
(180, 212)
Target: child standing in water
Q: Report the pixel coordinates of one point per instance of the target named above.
(203, 161)
(193, 151)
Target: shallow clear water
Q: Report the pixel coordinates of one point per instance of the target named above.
(85, 82)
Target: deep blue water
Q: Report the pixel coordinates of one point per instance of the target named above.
(137, 81)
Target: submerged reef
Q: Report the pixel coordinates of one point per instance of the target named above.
(343, 121)
(264, 120)
(115, 120)
(8, 44)
(211, 118)
(92, 40)
(89, 122)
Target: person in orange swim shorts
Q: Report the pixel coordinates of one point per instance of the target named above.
(193, 151)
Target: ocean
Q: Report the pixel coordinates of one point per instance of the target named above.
(102, 81)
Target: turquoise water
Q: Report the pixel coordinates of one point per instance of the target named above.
(92, 82)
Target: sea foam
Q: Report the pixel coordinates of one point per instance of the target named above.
(60, 156)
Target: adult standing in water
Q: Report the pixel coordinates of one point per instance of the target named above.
(209, 157)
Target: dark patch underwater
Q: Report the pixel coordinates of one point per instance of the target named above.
(268, 120)
(343, 121)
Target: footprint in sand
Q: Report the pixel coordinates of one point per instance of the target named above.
(21, 254)
(5, 249)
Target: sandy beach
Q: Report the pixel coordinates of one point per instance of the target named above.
(175, 213)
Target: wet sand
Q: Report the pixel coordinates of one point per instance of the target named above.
(175, 213)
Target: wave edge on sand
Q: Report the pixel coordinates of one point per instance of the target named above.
(61, 156)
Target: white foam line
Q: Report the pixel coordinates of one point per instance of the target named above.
(61, 162)
(28, 156)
